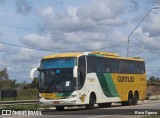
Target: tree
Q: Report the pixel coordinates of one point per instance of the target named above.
(34, 83)
(4, 74)
(7, 84)
(151, 79)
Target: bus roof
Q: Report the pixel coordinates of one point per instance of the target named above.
(74, 54)
(99, 54)
(114, 55)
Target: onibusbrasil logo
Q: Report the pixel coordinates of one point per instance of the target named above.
(24, 112)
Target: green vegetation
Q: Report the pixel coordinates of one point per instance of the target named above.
(153, 86)
(21, 107)
(4, 74)
(25, 94)
(25, 91)
(153, 80)
(28, 94)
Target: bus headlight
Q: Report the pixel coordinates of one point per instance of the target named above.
(71, 96)
(40, 96)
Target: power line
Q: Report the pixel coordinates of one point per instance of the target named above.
(22, 28)
(145, 48)
(19, 46)
(109, 46)
(42, 32)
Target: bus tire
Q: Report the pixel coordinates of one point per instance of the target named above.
(59, 108)
(130, 100)
(92, 101)
(103, 105)
(135, 98)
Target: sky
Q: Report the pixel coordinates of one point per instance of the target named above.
(31, 29)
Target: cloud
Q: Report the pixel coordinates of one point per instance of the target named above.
(46, 42)
(2, 2)
(150, 42)
(74, 41)
(101, 10)
(155, 2)
(99, 16)
(20, 62)
(152, 24)
(2, 48)
(15, 56)
(94, 40)
(1, 34)
(24, 55)
(134, 5)
(23, 7)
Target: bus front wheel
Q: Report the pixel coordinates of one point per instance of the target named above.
(92, 101)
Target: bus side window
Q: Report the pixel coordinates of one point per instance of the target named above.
(107, 68)
(140, 67)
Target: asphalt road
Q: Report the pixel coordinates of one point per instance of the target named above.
(149, 107)
(115, 111)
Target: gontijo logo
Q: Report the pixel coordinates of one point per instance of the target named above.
(125, 79)
(82, 98)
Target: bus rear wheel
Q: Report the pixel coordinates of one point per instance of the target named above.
(92, 101)
(135, 98)
(103, 105)
(59, 108)
(130, 100)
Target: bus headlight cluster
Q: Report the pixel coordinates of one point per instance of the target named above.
(71, 96)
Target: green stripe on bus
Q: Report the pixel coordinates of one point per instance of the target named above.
(111, 84)
(107, 84)
(97, 55)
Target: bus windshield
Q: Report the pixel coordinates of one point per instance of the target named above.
(56, 75)
(58, 63)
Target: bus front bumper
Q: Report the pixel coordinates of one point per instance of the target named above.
(58, 102)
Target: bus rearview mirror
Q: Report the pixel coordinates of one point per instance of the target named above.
(75, 69)
(32, 73)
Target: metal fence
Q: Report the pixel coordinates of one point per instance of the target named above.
(8, 94)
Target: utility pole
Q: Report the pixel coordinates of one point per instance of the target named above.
(137, 27)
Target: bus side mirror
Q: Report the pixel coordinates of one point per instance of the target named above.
(75, 69)
(32, 73)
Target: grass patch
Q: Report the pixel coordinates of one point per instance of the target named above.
(21, 107)
(24, 94)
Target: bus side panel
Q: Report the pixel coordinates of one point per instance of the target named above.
(130, 82)
(111, 87)
(102, 88)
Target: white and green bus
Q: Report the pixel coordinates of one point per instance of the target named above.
(89, 78)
